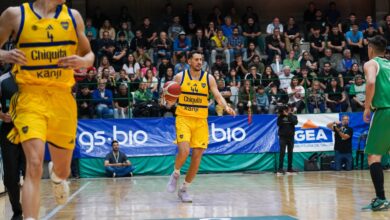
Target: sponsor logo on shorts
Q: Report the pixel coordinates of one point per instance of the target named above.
(25, 129)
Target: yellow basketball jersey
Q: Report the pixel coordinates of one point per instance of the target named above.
(193, 100)
(44, 41)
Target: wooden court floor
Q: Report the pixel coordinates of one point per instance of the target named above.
(310, 195)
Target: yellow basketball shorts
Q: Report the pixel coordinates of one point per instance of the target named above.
(192, 130)
(45, 113)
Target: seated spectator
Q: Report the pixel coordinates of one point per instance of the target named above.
(121, 41)
(332, 14)
(246, 98)
(102, 99)
(285, 78)
(296, 95)
(277, 98)
(140, 56)
(119, 56)
(249, 13)
(175, 29)
(182, 45)
(205, 64)
(336, 41)
(251, 52)
(117, 164)
(151, 83)
(327, 74)
(357, 94)
(258, 63)
(111, 82)
(349, 78)
(275, 45)
(291, 61)
(371, 32)
(191, 19)
(345, 64)
(90, 81)
(240, 66)
(226, 94)
(144, 105)
(123, 77)
(307, 61)
(236, 19)
(148, 65)
(275, 24)
(107, 27)
(253, 76)
(126, 30)
(233, 80)
(262, 101)
(228, 27)
(252, 33)
(269, 78)
(131, 66)
(201, 44)
(384, 29)
(216, 16)
(143, 94)
(219, 45)
(220, 66)
(139, 41)
(134, 82)
(291, 33)
(168, 76)
(309, 16)
(236, 44)
(369, 22)
(121, 102)
(277, 65)
(105, 63)
(346, 26)
(182, 65)
(210, 31)
(319, 23)
(163, 67)
(304, 78)
(90, 29)
(335, 97)
(316, 98)
(317, 44)
(148, 30)
(328, 58)
(162, 47)
(84, 103)
(354, 39)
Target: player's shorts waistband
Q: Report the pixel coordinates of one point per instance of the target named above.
(43, 89)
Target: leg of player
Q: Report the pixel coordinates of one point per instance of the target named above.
(181, 157)
(60, 171)
(34, 150)
(191, 173)
(379, 203)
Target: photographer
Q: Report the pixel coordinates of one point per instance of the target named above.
(343, 142)
(286, 123)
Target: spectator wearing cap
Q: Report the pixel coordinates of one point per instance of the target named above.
(219, 45)
(103, 100)
(182, 45)
(84, 103)
(175, 29)
(236, 43)
(275, 45)
(274, 24)
(357, 93)
(335, 97)
(121, 101)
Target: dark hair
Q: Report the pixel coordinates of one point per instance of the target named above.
(328, 63)
(113, 142)
(378, 43)
(352, 14)
(192, 53)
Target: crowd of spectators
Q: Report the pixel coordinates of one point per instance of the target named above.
(314, 67)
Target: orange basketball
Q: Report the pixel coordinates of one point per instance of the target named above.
(172, 91)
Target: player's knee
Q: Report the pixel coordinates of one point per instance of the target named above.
(62, 173)
(34, 168)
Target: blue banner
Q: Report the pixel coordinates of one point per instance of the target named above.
(227, 135)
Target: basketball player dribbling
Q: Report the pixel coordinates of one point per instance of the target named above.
(50, 43)
(377, 72)
(191, 121)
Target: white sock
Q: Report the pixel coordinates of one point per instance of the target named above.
(55, 178)
(177, 171)
(185, 185)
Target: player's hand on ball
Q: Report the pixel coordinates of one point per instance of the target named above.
(15, 56)
(367, 115)
(230, 111)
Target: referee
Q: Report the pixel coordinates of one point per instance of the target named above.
(13, 156)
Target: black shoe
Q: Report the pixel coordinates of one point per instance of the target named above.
(292, 171)
(280, 172)
(17, 217)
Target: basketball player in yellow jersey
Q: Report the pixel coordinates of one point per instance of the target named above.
(191, 121)
(50, 43)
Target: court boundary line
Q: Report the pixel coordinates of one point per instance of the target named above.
(348, 177)
(59, 207)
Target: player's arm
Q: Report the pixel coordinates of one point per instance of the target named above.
(370, 70)
(10, 19)
(85, 56)
(218, 97)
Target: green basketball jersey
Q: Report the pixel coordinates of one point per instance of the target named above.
(382, 85)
